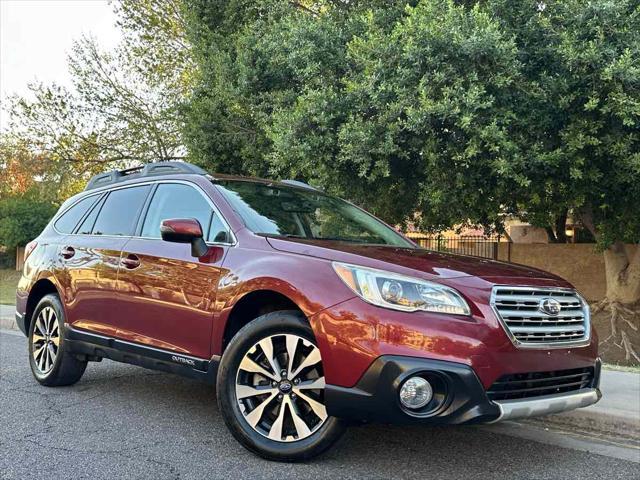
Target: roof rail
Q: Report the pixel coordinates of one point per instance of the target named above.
(298, 183)
(148, 170)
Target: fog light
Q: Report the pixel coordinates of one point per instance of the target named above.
(415, 393)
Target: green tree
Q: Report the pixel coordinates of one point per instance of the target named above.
(154, 43)
(582, 110)
(22, 218)
(123, 106)
(258, 58)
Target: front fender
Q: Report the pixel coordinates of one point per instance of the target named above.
(310, 283)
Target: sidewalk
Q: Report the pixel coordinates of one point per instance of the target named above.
(618, 412)
(622, 398)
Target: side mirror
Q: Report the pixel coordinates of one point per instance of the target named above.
(185, 230)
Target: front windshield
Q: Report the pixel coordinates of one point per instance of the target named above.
(282, 211)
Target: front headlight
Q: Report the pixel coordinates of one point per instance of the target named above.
(398, 292)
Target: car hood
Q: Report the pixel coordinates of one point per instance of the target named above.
(409, 261)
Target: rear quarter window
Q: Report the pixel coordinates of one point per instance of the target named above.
(70, 218)
(89, 220)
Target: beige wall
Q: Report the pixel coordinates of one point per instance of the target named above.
(577, 263)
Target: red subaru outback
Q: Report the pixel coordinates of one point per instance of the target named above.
(306, 311)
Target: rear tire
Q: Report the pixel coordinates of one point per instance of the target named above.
(274, 404)
(51, 364)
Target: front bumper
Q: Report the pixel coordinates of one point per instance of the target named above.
(459, 398)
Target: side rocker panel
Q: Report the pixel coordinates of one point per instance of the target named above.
(97, 347)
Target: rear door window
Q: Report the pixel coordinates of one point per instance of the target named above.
(69, 219)
(120, 211)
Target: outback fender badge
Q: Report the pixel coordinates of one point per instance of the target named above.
(186, 361)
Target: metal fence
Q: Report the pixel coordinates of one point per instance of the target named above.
(475, 245)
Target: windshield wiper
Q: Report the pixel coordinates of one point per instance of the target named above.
(344, 239)
(328, 239)
(284, 235)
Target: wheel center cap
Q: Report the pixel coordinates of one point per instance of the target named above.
(285, 386)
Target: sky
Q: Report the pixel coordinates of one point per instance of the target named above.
(37, 35)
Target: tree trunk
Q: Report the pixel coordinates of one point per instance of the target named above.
(622, 269)
(557, 232)
(620, 341)
(622, 302)
(551, 235)
(561, 227)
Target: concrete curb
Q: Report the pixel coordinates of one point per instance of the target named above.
(589, 421)
(8, 324)
(7, 317)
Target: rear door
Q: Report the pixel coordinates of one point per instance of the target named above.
(66, 244)
(92, 257)
(167, 297)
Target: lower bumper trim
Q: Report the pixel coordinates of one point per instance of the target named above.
(548, 404)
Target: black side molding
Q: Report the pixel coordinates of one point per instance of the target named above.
(94, 345)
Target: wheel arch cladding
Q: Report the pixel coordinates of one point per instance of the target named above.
(253, 305)
(42, 287)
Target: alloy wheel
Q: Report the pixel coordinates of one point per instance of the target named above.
(45, 340)
(280, 388)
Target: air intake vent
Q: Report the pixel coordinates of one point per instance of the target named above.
(542, 317)
(526, 385)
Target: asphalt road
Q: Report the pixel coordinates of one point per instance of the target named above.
(121, 421)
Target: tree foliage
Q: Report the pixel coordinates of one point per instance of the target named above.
(110, 116)
(457, 111)
(18, 167)
(123, 105)
(155, 44)
(22, 218)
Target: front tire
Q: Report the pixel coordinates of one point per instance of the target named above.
(270, 390)
(51, 364)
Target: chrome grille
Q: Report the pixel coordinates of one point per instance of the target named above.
(528, 324)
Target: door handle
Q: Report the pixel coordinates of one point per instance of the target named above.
(131, 261)
(68, 252)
